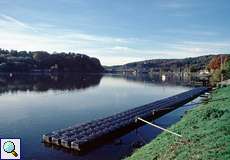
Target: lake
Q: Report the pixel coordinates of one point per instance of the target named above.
(32, 105)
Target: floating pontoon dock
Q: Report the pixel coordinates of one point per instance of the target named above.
(83, 136)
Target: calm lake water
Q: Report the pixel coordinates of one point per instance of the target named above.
(34, 105)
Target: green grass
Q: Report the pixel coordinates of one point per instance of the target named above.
(205, 130)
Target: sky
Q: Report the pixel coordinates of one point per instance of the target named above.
(117, 31)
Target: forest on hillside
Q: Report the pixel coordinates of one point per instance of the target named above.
(40, 61)
(191, 64)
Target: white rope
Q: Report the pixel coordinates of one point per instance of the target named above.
(154, 125)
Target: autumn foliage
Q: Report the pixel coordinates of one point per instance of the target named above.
(215, 62)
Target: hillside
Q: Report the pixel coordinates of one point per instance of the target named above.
(192, 64)
(39, 61)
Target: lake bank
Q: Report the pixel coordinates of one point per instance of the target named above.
(205, 134)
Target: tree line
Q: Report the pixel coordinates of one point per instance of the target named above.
(192, 64)
(39, 61)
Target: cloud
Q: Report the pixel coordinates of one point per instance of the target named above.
(8, 20)
(198, 48)
(111, 50)
(19, 35)
(94, 38)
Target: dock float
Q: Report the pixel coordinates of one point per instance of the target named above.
(83, 136)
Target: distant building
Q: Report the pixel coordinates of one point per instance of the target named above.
(205, 71)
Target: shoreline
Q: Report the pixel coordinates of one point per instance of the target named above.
(205, 134)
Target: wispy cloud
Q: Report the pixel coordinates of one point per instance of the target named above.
(74, 35)
(17, 34)
(196, 48)
(12, 22)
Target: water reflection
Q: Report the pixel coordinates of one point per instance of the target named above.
(45, 82)
(42, 83)
(169, 79)
(51, 102)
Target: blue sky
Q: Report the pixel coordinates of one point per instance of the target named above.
(117, 31)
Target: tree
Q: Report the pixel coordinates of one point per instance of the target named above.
(217, 67)
(40, 56)
(215, 62)
(227, 69)
(193, 69)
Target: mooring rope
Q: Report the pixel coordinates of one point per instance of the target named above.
(159, 127)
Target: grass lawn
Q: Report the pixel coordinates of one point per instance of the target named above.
(205, 130)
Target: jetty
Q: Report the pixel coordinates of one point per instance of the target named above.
(83, 136)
